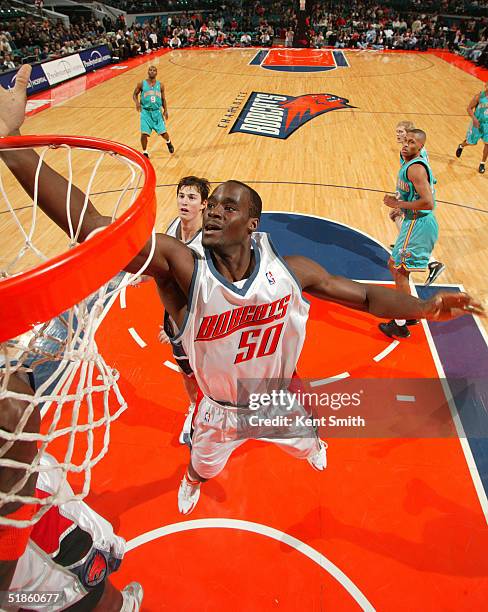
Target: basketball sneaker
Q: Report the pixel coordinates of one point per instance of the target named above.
(319, 459)
(411, 322)
(188, 495)
(132, 595)
(185, 434)
(146, 154)
(459, 151)
(170, 146)
(481, 168)
(436, 268)
(391, 329)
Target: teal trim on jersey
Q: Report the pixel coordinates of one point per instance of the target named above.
(406, 190)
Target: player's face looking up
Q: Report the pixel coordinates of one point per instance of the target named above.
(152, 72)
(226, 219)
(190, 203)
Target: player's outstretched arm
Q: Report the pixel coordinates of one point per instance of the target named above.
(380, 301)
(171, 259)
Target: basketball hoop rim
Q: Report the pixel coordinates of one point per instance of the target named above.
(41, 293)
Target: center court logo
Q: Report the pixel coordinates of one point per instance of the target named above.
(277, 116)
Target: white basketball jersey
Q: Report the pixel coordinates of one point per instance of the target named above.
(195, 243)
(252, 330)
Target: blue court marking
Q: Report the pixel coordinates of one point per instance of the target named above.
(463, 352)
(461, 346)
(258, 58)
(339, 248)
(340, 59)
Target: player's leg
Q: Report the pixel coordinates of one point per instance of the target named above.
(472, 136)
(146, 129)
(398, 327)
(213, 442)
(191, 388)
(160, 128)
(169, 144)
(481, 168)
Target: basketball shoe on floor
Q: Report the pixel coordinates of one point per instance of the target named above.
(132, 595)
(391, 329)
(170, 146)
(481, 168)
(188, 496)
(146, 154)
(436, 268)
(459, 151)
(319, 459)
(185, 435)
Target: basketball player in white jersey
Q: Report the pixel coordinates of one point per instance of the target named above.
(191, 198)
(239, 309)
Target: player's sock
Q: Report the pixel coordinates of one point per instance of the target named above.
(400, 322)
(146, 154)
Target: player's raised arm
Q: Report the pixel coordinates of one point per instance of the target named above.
(172, 259)
(379, 301)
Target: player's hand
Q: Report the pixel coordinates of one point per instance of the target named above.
(445, 306)
(395, 213)
(476, 122)
(166, 115)
(163, 336)
(391, 201)
(138, 108)
(12, 103)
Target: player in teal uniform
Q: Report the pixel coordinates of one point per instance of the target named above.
(478, 111)
(153, 109)
(419, 230)
(435, 268)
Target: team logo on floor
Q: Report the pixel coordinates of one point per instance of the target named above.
(300, 60)
(278, 116)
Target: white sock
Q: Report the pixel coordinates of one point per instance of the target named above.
(168, 142)
(145, 151)
(401, 322)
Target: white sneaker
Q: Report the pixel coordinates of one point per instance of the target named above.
(132, 595)
(185, 434)
(319, 459)
(188, 496)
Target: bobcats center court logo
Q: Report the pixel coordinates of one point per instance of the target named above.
(277, 116)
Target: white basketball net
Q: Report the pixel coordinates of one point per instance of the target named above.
(74, 389)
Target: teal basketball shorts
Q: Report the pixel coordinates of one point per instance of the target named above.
(152, 121)
(415, 243)
(474, 134)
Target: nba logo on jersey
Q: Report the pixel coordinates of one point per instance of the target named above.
(300, 60)
(270, 278)
(278, 116)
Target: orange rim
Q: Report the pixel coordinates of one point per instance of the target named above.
(41, 293)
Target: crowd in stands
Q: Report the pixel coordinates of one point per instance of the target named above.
(361, 24)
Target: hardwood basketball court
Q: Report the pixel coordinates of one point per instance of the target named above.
(394, 522)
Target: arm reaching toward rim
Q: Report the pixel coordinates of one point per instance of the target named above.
(171, 260)
(379, 301)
